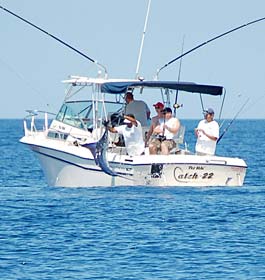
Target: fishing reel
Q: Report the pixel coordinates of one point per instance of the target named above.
(161, 138)
(177, 106)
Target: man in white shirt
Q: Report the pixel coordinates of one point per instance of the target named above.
(138, 108)
(133, 135)
(164, 133)
(207, 134)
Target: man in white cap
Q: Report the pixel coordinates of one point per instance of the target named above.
(207, 133)
(131, 130)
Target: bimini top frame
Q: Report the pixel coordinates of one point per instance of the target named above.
(115, 86)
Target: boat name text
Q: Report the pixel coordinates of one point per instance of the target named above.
(183, 176)
(196, 168)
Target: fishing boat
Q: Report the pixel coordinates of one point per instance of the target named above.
(77, 150)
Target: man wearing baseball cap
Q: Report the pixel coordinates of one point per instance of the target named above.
(155, 120)
(131, 130)
(207, 133)
(159, 105)
(164, 134)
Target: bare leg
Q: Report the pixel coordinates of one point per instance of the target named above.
(164, 149)
(152, 149)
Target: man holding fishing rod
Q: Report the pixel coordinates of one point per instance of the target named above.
(164, 133)
(155, 121)
(207, 133)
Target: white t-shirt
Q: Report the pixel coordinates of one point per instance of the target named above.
(170, 123)
(204, 144)
(139, 109)
(133, 138)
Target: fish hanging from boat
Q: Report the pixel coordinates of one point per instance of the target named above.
(98, 150)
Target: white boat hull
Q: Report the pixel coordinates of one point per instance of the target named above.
(75, 167)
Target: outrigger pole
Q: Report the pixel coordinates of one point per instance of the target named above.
(208, 41)
(57, 39)
(176, 105)
(142, 42)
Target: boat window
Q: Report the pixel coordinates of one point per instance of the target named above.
(57, 135)
(80, 113)
(68, 114)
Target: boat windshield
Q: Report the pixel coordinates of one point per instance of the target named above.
(86, 114)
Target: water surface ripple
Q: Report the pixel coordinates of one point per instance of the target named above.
(131, 232)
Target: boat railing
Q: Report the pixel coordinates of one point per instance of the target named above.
(36, 121)
(217, 161)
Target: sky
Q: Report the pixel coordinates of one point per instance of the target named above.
(32, 64)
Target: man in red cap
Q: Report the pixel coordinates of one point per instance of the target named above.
(155, 120)
(164, 134)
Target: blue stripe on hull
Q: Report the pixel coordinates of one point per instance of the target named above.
(69, 162)
(130, 164)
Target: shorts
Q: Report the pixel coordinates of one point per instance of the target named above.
(170, 143)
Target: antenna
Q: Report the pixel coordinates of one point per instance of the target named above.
(142, 42)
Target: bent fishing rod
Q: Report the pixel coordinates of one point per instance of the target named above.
(208, 41)
(57, 39)
(230, 123)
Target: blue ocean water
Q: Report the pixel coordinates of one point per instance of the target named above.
(132, 232)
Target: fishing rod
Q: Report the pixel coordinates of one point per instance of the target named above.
(57, 39)
(208, 41)
(230, 123)
(142, 42)
(176, 105)
(255, 102)
(27, 83)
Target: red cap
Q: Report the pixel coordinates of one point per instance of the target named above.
(159, 105)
